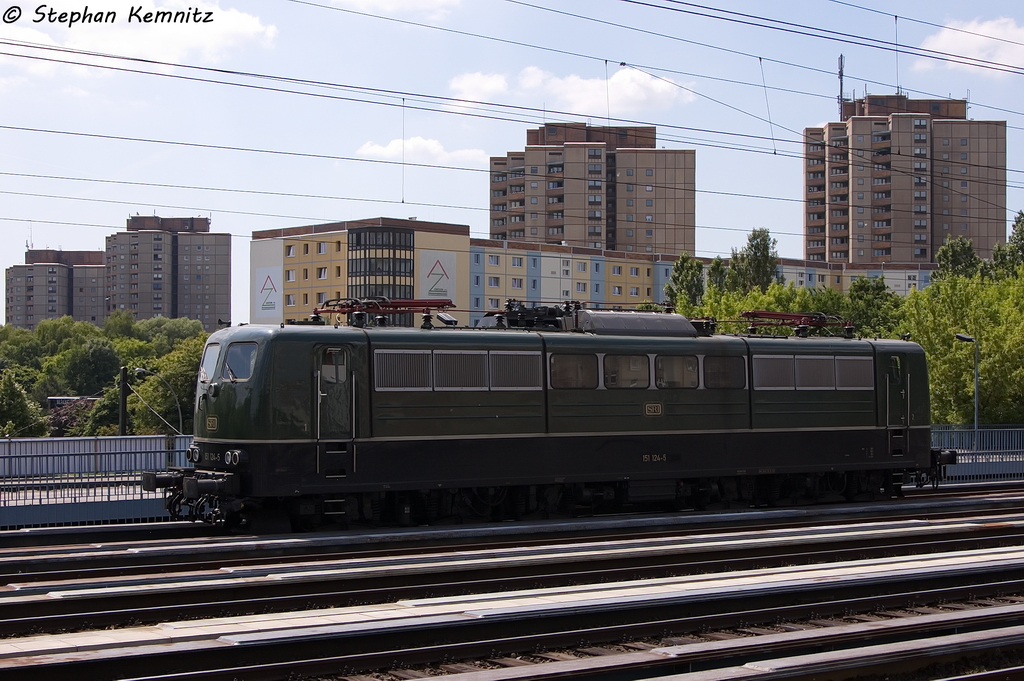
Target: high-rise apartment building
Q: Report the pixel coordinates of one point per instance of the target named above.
(609, 188)
(170, 267)
(53, 284)
(899, 177)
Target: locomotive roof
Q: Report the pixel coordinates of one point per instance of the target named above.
(462, 336)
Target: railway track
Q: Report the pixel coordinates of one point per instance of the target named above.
(200, 621)
(717, 620)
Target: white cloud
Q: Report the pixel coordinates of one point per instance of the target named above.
(201, 42)
(478, 86)
(976, 46)
(420, 150)
(628, 91)
(433, 9)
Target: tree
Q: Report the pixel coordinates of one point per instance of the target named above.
(957, 259)
(86, 369)
(179, 368)
(70, 419)
(717, 273)
(873, 307)
(104, 417)
(992, 312)
(19, 416)
(756, 265)
(685, 286)
(1007, 258)
(120, 324)
(57, 335)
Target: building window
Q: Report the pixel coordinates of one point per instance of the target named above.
(581, 287)
(581, 266)
(321, 247)
(289, 251)
(321, 298)
(289, 300)
(649, 188)
(492, 303)
(494, 260)
(289, 275)
(634, 291)
(321, 273)
(493, 282)
(634, 271)
(517, 283)
(649, 172)
(517, 262)
(649, 218)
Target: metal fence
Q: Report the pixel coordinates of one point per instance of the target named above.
(91, 480)
(992, 453)
(83, 480)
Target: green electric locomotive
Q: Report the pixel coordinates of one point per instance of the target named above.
(325, 424)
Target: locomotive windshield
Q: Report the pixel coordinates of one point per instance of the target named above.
(239, 362)
(208, 367)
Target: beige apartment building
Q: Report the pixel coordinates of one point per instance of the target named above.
(170, 267)
(608, 188)
(53, 284)
(899, 177)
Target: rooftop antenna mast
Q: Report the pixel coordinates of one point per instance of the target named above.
(842, 63)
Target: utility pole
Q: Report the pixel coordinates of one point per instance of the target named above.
(122, 403)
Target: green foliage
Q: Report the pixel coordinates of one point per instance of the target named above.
(717, 273)
(19, 415)
(120, 324)
(104, 417)
(133, 352)
(685, 286)
(873, 307)
(58, 335)
(86, 369)
(756, 265)
(956, 258)
(649, 306)
(179, 369)
(992, 312)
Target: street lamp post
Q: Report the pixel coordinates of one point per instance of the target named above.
(139, 371)
(969, 339)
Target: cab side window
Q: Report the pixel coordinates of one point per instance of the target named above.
(239, 362)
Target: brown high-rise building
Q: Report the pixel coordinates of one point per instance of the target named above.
(597, 187)
(170, 267)
(899, 177)
(54, 284)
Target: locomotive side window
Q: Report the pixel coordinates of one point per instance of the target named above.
(676, 372)
(574, 371)
(460, 370)
(855, 373)
(332, 366)
(725, 373)
(815, 373)
(515, 371)
(208, 367)
(402, 370)
(627, 371)
(895, 370)
(773, 372)
(239, 361)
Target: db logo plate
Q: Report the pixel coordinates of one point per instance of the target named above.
(211, 423)
(653, 409)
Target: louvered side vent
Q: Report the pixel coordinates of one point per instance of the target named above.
(402, 369)
(460, 370)
(516, 371)
(855, 373)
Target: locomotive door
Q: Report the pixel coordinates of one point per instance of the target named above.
(333, 420)
(897, 387)
(897, 381)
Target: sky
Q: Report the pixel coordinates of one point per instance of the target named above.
(266, 114)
